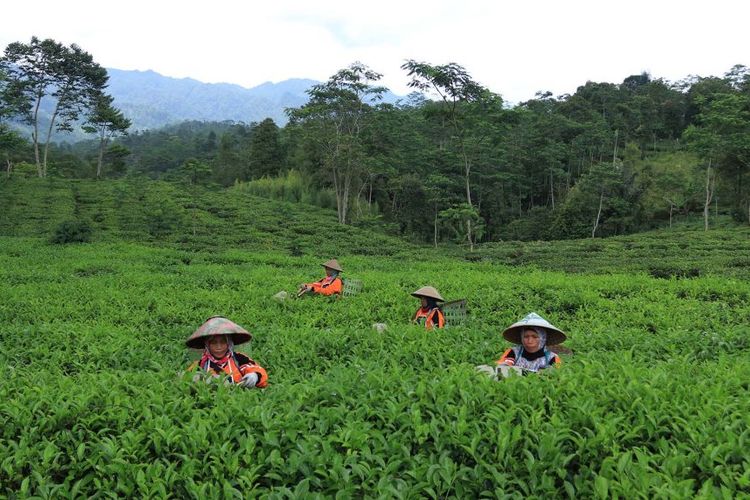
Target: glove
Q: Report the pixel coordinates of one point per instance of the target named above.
(250, 380)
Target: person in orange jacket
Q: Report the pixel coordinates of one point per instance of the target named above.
(217, 337)
(329, 285)
(429, 314)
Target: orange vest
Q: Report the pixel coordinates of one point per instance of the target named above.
(327, 286)
(428, 318)
(237, 372)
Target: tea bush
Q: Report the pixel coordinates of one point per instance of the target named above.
(165, 214)
(72, 231)
(653, 403)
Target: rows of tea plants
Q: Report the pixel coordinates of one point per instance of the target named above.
(176, 215)
(652, 402)
(684, 252)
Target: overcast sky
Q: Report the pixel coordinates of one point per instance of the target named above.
(513, 48)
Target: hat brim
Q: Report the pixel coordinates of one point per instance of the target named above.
(199, 342)
(333, 264)
(420, 295)
(554, 336)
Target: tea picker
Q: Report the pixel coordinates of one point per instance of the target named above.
(217, 336)
(533, 337)
(330, 285)
(429, 313)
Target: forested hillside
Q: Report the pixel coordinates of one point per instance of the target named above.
(453, 162)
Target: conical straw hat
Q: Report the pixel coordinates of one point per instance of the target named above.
(218, 325)
(554, 334)
(333, 264)
(429, 292)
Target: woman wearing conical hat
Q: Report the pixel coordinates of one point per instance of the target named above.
(531, 335)
(429, 314)
(217, 337)
(329, 285)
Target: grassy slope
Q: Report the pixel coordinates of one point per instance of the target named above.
(684, 252)
(653, 403)
(167, 214)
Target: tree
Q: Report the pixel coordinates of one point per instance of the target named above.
(10, 144)
(228, 164)
(115, 157)
(721, 134)
(46, 69)
(266, 156)
(107, 122)
(464, 102)
(334, 121)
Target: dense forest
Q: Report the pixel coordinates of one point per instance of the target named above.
(452, 161)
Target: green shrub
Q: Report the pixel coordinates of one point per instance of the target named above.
(72, 231)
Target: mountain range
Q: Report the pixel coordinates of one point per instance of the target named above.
(151, 100)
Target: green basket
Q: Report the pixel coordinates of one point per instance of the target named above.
(454, 312)
(352, 287)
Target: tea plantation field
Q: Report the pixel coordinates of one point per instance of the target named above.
(653, 402)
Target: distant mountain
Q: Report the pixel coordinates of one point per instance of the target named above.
(152, 100)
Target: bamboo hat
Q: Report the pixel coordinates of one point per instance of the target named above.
(429, 292)
(217, 325)
(554, 334)
(333, 264)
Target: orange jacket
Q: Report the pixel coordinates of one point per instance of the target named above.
(237, 365)
(430, 318)
(327, 286)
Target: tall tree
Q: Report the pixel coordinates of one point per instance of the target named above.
(464, 103)
(107, 122)
(68, 76)
(266, 156)
(721, 134)
(335, 119)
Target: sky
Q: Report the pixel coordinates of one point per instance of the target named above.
(514, 48)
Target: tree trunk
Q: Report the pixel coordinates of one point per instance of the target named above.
(48, 140)
(345, 195)
(598, 214)
(467, 173)
(614, 154)
(671, 206)
(520, 204)
(709, 195)
(102, 146)
(337, 189)
(35, 137)
(10, 167)
(552, 189)
(435, 226)
(369, 199)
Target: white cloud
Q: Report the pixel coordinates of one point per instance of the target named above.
(514, 48)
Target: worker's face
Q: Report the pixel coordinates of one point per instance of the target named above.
(329, 271)
(424, 301)
(218, 346)
(530, 340)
